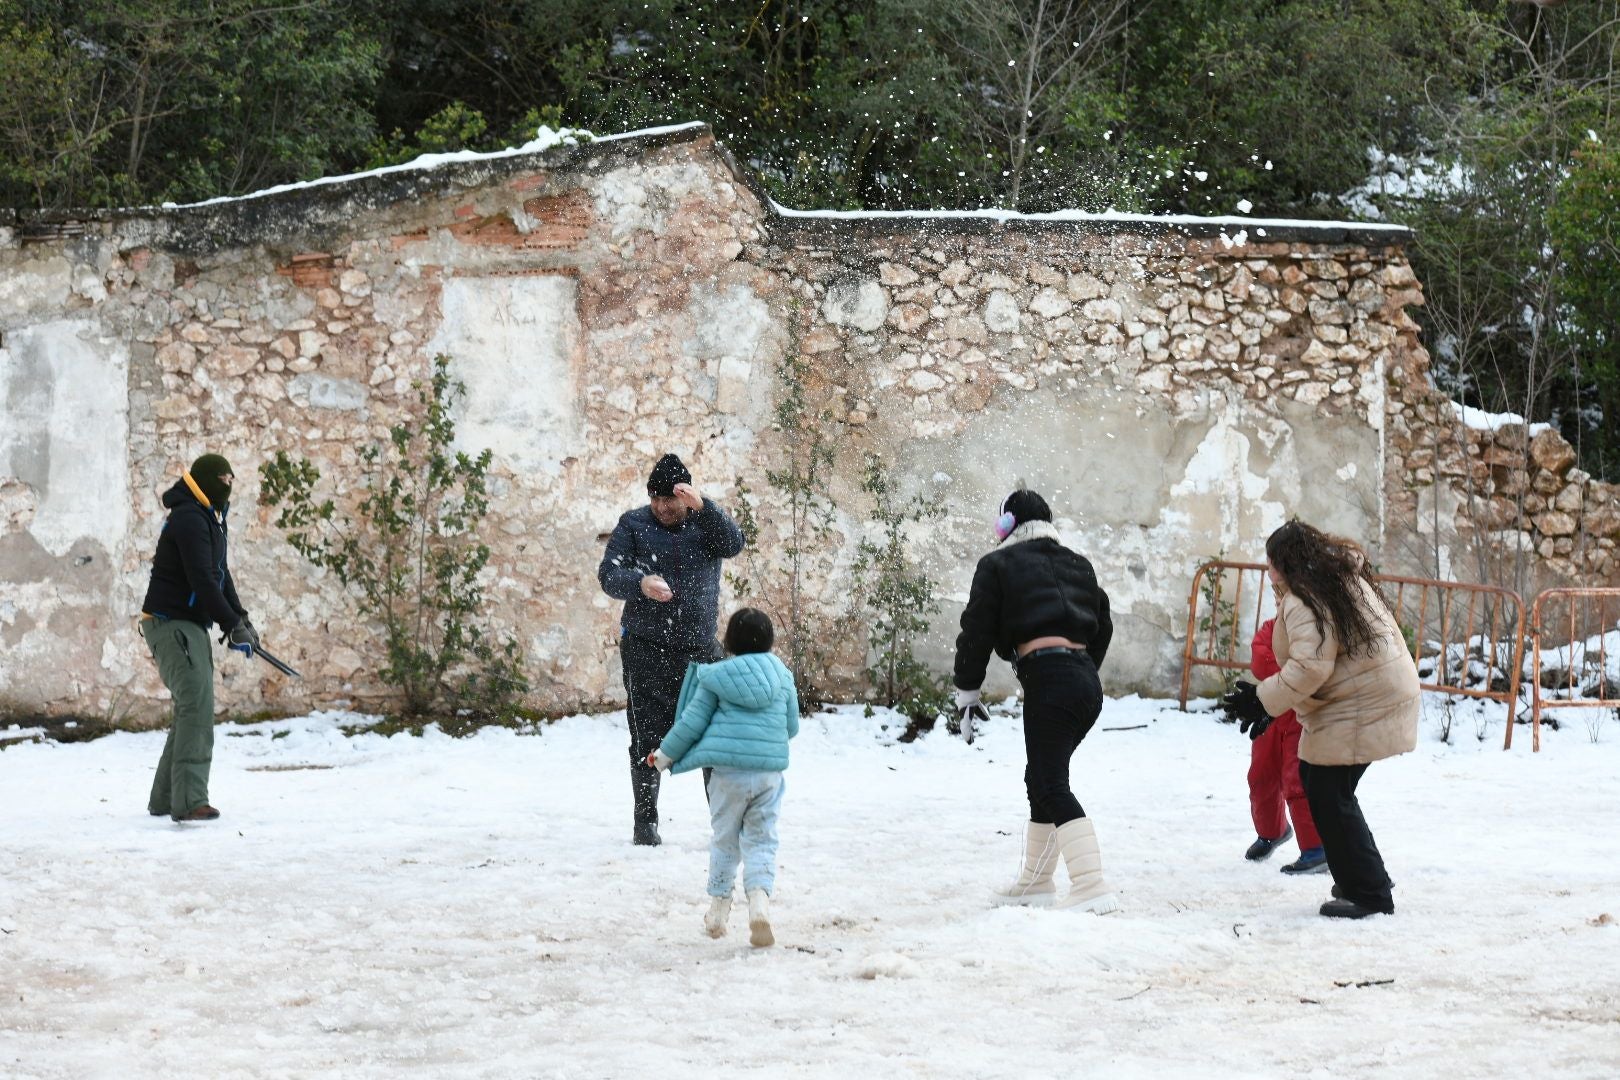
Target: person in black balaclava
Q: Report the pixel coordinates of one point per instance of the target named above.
(191, 590)
(663, 560)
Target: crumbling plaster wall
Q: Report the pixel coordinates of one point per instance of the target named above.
(1176, 392)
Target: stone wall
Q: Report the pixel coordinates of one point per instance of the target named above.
(1176, 388)
(1492, 498)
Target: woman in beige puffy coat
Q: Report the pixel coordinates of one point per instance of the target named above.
(1346, 671)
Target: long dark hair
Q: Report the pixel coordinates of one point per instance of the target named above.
(1322, 571)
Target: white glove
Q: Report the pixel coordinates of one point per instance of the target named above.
(658, 761)
(969, 714)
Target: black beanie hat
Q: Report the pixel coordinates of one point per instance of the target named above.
(206, 471)
(666, 474)
(1025, 505)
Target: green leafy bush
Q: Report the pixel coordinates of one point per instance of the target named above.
(409, 557)
(895, 596)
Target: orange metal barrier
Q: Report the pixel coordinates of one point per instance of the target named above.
(1466, 640)
(1237, 598)
(1593, 619)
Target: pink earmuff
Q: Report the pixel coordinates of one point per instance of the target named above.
(1005, 524)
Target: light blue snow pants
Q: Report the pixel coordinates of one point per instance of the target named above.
(742, 809)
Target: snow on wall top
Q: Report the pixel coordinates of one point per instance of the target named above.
(1261, 226)
(544, 140)
(1480, 420)
(413, 179)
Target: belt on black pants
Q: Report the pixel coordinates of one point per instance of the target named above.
(1050, 650)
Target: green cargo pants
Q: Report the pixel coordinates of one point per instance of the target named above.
(185, 660)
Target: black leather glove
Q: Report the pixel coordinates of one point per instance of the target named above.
(242, 637)
(1244, 704)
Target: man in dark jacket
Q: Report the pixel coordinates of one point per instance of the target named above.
(663, 561)
(191, 590)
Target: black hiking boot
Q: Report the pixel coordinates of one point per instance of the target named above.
(1349, 909)
(646, 834)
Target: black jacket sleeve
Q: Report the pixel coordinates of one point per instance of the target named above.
(620, 572)
(1098, 646)
(721, 536)
(194, 542)
(229, 589)
(981, 621)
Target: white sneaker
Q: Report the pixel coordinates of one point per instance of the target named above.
(714, 920)
(759, 919)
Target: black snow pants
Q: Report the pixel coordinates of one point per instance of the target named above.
(653, 673)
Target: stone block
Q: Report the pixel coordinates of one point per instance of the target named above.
(1103, 311)
(907, 318)
(1396, 275)
(1570, 500)
(175, 407)
(323, 392)
(895, 275)
(1326, 269)
(1316, 353)
(1084, 287)
(1049, 304)
(1240, 284)
(178, 356)
(1555, 523)
(1549, 450)
(966, 328)
(861, 304)
(1001, 313)
(1602, 520)
(1329, 312)
(1498, 513)
(234, 359)
(924, 381)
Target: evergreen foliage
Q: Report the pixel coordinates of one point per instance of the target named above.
(1144, 105)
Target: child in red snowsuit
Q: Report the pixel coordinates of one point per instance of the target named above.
(1274, 778)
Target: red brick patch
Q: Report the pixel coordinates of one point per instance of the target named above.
(311, 270)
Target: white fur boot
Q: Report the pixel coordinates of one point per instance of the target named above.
(759, 919)
(714, 920)
(1034, 886)
(1077, 840)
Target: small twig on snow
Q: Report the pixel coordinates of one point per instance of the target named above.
(1139, 993)
(1364, 982)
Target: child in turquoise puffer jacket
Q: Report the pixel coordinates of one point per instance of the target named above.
(734, 719)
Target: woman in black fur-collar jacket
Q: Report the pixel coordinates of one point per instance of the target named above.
(1037, 604)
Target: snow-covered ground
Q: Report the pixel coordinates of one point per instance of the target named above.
(386, 907)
